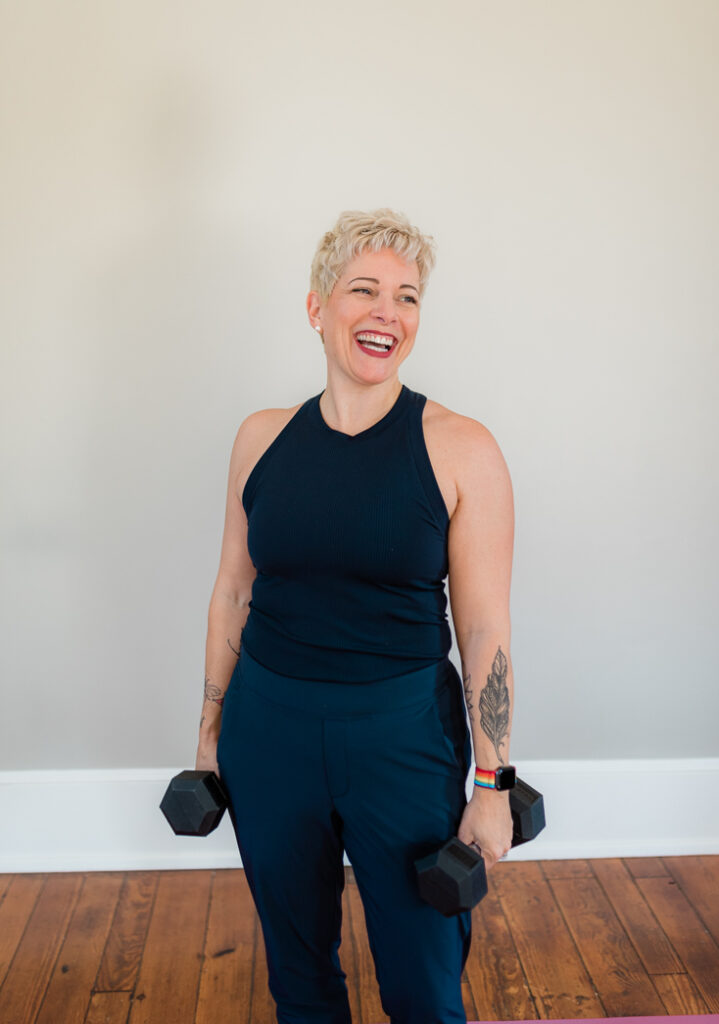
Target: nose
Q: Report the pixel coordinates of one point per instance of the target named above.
(383, 309)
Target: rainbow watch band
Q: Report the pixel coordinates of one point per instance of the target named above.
(484, 777)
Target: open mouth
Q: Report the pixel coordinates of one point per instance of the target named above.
(375, 344)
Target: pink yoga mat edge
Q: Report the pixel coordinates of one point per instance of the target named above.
(695, 1018)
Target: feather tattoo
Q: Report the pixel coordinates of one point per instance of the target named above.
(494, 703)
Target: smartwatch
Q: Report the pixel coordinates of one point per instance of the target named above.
(503, 777)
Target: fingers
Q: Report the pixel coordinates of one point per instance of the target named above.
(489, 863)
(489, 858)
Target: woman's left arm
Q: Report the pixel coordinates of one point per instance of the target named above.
(480, 543)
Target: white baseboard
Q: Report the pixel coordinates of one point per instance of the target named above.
(109, 819)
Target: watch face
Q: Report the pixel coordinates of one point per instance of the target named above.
(506, 777)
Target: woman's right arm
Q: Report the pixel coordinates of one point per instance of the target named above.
(229, 604)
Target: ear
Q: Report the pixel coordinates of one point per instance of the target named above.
(314, 309)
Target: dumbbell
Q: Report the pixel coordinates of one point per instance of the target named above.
(194, 803)
(454, 878)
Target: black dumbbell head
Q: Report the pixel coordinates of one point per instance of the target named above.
(194, 803)
(527, 807)
(453, 879)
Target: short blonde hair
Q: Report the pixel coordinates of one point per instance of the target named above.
(355, 232)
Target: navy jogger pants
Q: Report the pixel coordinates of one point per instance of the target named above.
(314, 768)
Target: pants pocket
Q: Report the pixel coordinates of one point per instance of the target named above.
(234, 684)
(451, 725)
(229, 709)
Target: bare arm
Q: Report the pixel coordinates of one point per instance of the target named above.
(229, 604)
(225, 621)
(481, 540)
(489, 695)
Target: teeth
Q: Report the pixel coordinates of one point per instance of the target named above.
(373, 341)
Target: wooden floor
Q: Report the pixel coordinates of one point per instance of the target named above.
(597, 938)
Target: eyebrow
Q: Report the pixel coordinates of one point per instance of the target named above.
(376, 281)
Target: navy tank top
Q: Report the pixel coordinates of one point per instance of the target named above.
(348, 534)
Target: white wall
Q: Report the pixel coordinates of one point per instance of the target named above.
(167, 169)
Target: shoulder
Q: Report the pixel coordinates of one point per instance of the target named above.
(264, 423)
(469, 447)
(254, 435)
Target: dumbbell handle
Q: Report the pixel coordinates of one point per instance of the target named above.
(527, 809)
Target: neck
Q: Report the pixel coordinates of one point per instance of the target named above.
(351, 407)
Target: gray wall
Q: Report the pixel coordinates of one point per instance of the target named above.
(167, 169)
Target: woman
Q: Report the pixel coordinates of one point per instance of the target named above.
(332, 712)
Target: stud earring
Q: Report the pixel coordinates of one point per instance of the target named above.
(318, 328)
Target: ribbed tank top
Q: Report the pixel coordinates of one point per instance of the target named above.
(348, 534)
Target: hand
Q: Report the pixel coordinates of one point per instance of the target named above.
(487, 824)
(206, 759)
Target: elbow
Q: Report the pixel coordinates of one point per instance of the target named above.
(496, 632)
(488, 631)
(235, 598)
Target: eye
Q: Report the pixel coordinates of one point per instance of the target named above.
(367, 290)
(410, 298)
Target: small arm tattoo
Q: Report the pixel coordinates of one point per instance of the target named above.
(494, 703)
(233, 649)
(213, 692)
(468, 695)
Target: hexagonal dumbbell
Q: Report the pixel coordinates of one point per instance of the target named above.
(454, 878)
(194, 803)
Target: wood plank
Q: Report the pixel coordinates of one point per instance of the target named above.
(348, 957)
(123, 951)
(493, 967)
(679, 994)
(169, 974)
(25, 984)
(108, 1008)
(17, 906)
(694, 945)
(263, 1009)
(619, 976)
(470, 1009)
(5, 880)
(565, 869)
(370, 1006)
(226, 978)
(645, 867)
(557, 978)
(68, 993)
(699, 881)
(650, 942)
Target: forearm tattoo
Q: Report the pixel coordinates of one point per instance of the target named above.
(494, 703)
(213, 692)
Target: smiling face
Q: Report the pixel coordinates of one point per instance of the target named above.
(371, 317)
